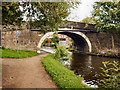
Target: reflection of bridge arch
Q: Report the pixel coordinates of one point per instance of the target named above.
(79, 38)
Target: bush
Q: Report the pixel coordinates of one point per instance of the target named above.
(111, 75)
(61, 75)
(55, 39)
(3, 47)
(61, 52)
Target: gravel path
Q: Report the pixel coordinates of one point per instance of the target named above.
(25, 73)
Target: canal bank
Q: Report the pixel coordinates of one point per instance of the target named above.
(88, 66)
(64, 77)
(104, 54)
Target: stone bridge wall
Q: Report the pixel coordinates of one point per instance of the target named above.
(102, 42)
(28, 40)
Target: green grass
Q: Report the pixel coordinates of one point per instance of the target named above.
(8, 53)
(63, 77)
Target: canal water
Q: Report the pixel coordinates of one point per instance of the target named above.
(89, 67)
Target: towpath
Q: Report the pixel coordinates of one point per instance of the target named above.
(26, 73)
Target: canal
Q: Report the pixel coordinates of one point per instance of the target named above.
(89, 67)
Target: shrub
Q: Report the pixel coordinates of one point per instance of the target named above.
(111, 75)
(61, 52)
(55, 39)
(3, 47)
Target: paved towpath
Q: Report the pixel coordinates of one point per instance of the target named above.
(25, 73)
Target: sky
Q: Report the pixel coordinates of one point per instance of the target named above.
(84, 10)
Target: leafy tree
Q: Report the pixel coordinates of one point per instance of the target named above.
(48, 15)
(11, 13)
(43, 15)
(108, 17)
(108, 14)
(88, 20)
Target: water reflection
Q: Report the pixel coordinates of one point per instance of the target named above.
(89, 66)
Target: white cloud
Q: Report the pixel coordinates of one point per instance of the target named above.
(83, 11)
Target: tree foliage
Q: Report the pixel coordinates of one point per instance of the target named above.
(48, 15)
(108, 16)
(11, 13)
(88, 20)
(42, 15)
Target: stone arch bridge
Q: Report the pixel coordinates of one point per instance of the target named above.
(87, 39)
(81, 40)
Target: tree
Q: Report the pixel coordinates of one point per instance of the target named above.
(48, 15)
(43, 15)
(88, 20)
(107, 14)
(11, 14)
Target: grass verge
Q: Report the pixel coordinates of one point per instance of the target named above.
(63, 77)
(8, 53)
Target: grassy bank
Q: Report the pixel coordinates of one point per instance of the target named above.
(8, 53)
(61, 75)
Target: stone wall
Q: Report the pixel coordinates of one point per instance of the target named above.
(102, 42)
(27, 40)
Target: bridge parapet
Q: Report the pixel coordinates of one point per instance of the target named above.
(78, 25)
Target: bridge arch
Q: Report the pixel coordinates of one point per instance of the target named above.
(82, 38)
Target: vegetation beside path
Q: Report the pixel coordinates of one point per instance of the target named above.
(8, 53)
(61, 75)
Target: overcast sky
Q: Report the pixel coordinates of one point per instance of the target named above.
(83, 11)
